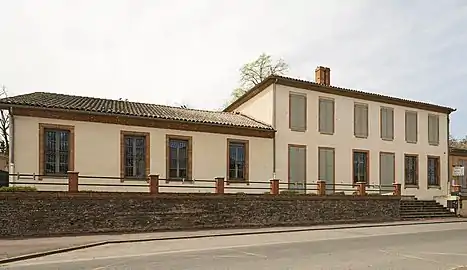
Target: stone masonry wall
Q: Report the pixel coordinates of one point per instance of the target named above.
(24, 214)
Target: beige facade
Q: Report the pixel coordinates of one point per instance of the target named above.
(97, 153)
(328, 128)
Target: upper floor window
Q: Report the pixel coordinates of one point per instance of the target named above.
(135, 156)
(433, 129)
(179, 157)
(387, 123)
(238, 160)
(326, 116)
(56, 151)
(297, 112)
(361, 120)
(411, 127)
(360, 166)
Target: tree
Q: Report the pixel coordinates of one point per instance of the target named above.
(458, 143)
(256, 71)
(4, 126)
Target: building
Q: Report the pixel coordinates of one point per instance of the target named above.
(54, 133)
(458, 157)
(344, 136)
(293, 130)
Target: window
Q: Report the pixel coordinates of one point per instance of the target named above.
(361, 120)
(387, 123)
(56, 151)
(135, 156)
(411, 170)
(298, 112)
(326, 167)
(238, 160)
(297, 167)
(462, 180)
(411, 127)
(387, 168)
(433, 129)
(433, 171)
(360, 166)
(179, 158)
(326, 116)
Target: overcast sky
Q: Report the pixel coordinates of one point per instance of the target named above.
(189, 51)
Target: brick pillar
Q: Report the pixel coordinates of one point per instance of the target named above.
(397, 189)
(219, 185)
(154, 184)
(321, 187)
(361, 188)
(274, 186)
(72, 181)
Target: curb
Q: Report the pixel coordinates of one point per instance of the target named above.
(107, 242)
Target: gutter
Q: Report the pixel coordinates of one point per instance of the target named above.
(12, 136)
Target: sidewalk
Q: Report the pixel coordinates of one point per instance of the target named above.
(14, 250)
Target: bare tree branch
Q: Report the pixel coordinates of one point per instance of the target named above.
(4, 125)
(255, 72)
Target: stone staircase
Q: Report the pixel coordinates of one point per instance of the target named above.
(421, 209)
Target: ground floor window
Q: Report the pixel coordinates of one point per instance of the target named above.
(411, 170)
(433, 171)
(237, 160)
(360, 166)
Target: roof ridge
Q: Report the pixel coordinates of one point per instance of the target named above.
(134, 102)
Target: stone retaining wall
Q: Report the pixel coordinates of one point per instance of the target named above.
(25, 214)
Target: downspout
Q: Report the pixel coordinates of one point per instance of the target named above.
(11, 154)
(448, 189)
(274, 126)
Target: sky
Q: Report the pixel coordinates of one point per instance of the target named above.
(189, 52)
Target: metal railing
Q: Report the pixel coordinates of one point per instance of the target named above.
(74, 182)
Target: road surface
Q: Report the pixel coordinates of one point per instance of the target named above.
(426, 247)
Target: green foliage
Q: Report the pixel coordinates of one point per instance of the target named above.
(17, 189)
(289, 192)
(458, 143)
(256, 71)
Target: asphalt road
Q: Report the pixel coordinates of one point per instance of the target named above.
(426, 247)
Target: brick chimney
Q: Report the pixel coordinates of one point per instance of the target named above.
(323, 75)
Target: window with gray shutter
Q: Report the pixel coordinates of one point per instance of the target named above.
(326, 167)
(326, 116)
(361, 120)
(387, 169)
(411, 127)
(297, 167)
(433, 129)
(298, 111)
(387, 123)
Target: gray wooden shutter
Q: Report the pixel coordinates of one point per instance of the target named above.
(387, 123)
(326, 116)
(361, 120)
(297, 167)
(411, 122)
(433, 129)
(326, 167)
(298, 111)
(387, 169)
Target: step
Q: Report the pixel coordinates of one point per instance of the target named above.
(425, 215)
(422, 208)
(418, 203)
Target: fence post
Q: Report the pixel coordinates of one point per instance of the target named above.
(397, 189)
(154, 184)
(274, 186)
(321, 187)
(219, 185)
(361, 188)
(72, 181)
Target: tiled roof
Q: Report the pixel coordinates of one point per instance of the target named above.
(118, 107)
(335, 90)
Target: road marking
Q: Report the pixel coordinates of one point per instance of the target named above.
(409, 256)
(441, 253)
(252, 254)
